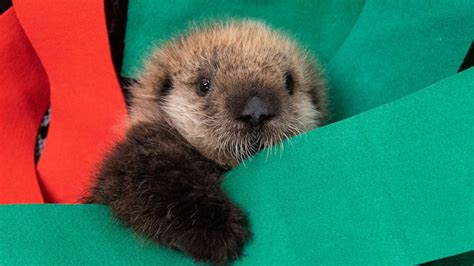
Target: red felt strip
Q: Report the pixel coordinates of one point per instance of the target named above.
(70, 38)
(24, 98)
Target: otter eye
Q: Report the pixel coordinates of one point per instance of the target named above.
(204, 86)
(289, 83)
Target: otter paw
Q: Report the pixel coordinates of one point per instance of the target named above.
(214, 231)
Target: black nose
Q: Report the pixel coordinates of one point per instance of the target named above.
(255, 112)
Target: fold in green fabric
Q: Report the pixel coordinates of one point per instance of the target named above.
(396, 48)
(322, 26)
(397, 193)
(393, 183)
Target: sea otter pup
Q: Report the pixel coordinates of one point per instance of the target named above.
(204, 102)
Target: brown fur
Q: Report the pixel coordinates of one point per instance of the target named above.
(238, 56)
(163, 179)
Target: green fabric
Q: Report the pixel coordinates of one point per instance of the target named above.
(397, 193)
(375, 51)
(392, 183)
(396, 48)
(53, 234)
(326, 23)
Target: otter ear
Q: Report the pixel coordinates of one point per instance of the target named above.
(289, 83)
(156, 77)
(166, 85)
(148, 92)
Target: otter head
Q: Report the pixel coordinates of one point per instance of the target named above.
(231, 89)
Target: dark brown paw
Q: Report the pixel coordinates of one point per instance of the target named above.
(210, 230)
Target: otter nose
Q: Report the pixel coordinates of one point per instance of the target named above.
(255, 112)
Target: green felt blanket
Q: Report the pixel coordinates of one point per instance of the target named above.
(391, 182)
(399, 193)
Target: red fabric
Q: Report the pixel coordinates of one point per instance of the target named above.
(70, 39)
(24, 98)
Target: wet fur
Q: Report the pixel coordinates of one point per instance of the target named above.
(163, 179)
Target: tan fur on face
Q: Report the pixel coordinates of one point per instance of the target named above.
(237, 56)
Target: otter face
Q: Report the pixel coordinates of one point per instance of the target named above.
(231, 89)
